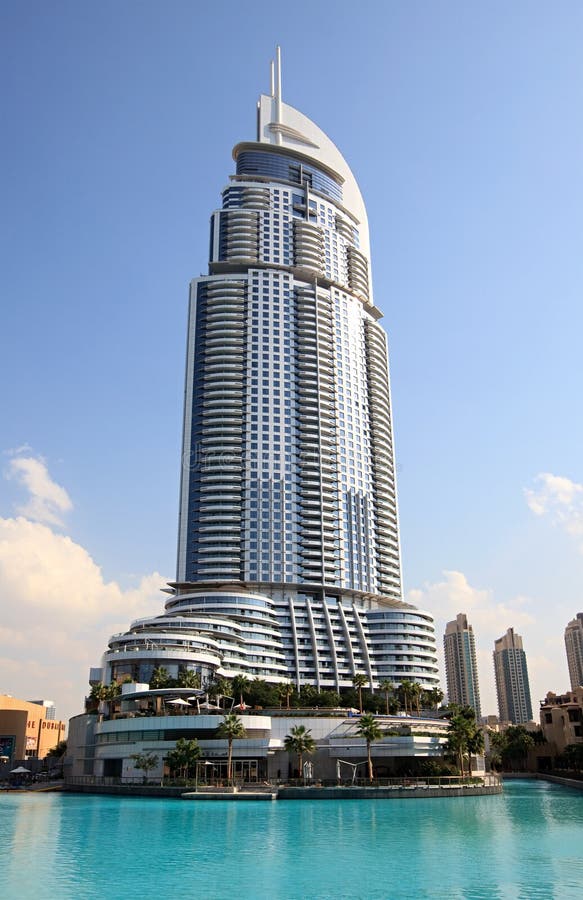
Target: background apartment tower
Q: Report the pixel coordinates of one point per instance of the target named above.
(512, 686)
(288, 553)
(574, 647)
(460, 664)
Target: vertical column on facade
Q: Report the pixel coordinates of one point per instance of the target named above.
(347, 636)
(308, 425)
(328, 441)
(294, 631)
(331, 642)
(389, 574)
(218, 427)
(363, 646)
(315, 654)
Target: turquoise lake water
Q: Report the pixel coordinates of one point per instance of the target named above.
(526, 843)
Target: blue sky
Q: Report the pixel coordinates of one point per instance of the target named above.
(462, 124)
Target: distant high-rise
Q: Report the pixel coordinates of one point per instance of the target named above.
(512, 686)
(574, 647)
(460, 664)
(288, 555)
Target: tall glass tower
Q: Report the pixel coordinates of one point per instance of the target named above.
(512, 684)
(461, 668)
(288, 551)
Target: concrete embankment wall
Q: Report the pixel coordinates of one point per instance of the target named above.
(558, 779)
(292, 793)
(127, 790)
(380, 793)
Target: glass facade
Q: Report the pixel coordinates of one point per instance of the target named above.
(288, 537)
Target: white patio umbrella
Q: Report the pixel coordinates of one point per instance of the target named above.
(240, 706)
(178, 702)
(208, 706)
(20, 770)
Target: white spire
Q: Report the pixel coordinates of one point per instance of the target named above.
(278, 91)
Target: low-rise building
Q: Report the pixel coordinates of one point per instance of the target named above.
(561, 718)
(104, 744)
(25, 730)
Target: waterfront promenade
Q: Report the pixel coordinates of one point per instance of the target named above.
(360, 789)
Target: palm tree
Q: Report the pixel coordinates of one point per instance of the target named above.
(299, 741)
(113, 692)
(159, 677)
(388, 690)
(98, 693)
(433, 697)
(232, 729)
(219, 687)
(476, 745)
(188, 678)
(464, 736)
(368, 728)
(416, 691)
(359, 682)
(285, 690)
(240, 685)
(407, 695)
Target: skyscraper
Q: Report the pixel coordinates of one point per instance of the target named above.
(574, 648)
(512, 686)
(288, 552)
(460, 664)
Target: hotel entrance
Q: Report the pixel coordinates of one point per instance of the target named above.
(249, 771)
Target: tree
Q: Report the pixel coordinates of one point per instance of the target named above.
(58, 750)
(98, 692)
(219, 687)
(359, 682)
(240, 684)
(433, 697)
(146, 762)
(308, 695)
(285, 691)
(159, 678)
(516, 743)
(188, 678)
(406, 692)
(260, 693)
(232, 729)
(184, 756)
(571, 758)
(368, 728)
(416, 691)
(464, 736)
(299, 741)
(388, 690)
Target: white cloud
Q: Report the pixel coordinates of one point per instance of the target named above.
(47, 501)
(559, 499)
(58, 610)
(488, 616)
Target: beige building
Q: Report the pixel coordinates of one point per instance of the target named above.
(461, 668)
(25, 730)
(574, 648)
(512, 685)
(561, 718)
